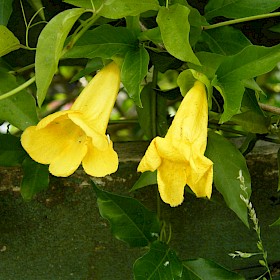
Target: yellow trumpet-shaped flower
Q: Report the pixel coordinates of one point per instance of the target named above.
(68, 138)
(179, 156)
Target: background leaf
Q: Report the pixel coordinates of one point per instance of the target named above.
(203, 269)
(251, 118)
(276, 223)
(249, 63)
(35, 178)
(18, 109)
(8, 42)
(146, 178)
(130, 221)
(227, 162)
(37, 5)
(225, 40)
(11, 151)
(239, 8)
(49, 48)
(175, 29)
(134, 69)
(152, 114)
(104, 41)
(6, 8)
(121, 8)
(159, 263)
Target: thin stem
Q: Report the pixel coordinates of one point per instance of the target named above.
(18, 89)
(25, 68)
(29, 26)
(269, 108)
(79, 34)
(154, 104)
(239, 20)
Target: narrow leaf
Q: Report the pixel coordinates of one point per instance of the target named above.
(49, 48)
(239, 8)
(232, 93)
(228, 161)
(104, 41)
(19, 109)
(116, 9)
(204, 269)
(8, 42)
(11, 151)
(35, 178)
(6, 8)
(146, 179)
(130, 221)
(134, 69)
(175, 29)
(159, 263)
(276, 223)
(37, 5)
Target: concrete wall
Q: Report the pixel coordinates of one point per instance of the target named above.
(60, 234)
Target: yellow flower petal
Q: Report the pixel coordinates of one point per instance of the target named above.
(200, 177)
(152, 160)
(45, 144)
(171, 177)
(100, 163)
(179, 156)
(69, 159)
(97, 99)
(99, 140)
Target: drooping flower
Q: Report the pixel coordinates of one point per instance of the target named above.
(179, 156)
(68, 138)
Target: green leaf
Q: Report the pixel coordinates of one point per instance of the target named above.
(104, 41)
(49, 48)
(210, 62)
(35, 178)
(159, 263)
(8, 42)
(6, 8)
(225, 40)
(228, 161)
(152, 114)
(152, 34)
(187, 78)
(92, 66)
(239, 8)
(18, 109)
(203, 269)
(175, 29)
(37, 5)
(130, 221)
(250, 62)
(276, 223)
(146, 179)
(251, 118)
(11, 151)
(116, 9)
(87, 4)
(163, 61)
(134, 70)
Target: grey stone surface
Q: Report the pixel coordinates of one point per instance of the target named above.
(60, 234)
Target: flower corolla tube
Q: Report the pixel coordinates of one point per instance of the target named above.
(68, 138)
(179, 156)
